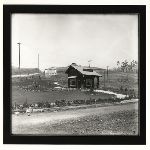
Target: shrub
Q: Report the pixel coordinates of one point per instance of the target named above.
(40, 104)
(121, 89)
(47, 105)
(25, 105)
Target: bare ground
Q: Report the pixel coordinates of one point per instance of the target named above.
(119, 119)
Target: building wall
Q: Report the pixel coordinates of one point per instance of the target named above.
(81, 81)
(73, 72)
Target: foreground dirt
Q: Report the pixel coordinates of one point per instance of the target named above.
(119, 119)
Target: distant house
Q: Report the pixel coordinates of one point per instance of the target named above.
(50, 72)
(81, 77)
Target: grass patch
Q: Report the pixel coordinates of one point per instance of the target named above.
(21, 96)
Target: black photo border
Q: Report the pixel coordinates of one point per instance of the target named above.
(73, 9)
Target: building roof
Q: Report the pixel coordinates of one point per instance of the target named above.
(72, 77)
(81, 70)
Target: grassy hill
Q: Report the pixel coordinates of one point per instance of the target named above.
(63, 69)
(15, 70)
(116, 79)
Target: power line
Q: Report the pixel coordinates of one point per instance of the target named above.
(41, 62)
(45, 51)
(56, 54)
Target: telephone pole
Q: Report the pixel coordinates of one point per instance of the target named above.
(38, 63)
(104, 79)
(19, 58)
(107, 73)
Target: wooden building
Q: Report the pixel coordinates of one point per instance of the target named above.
(81, 77)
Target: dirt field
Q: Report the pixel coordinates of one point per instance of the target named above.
(119, 119)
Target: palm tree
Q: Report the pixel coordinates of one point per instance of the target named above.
(123, 66)
(126, 65)
(135, 62)
(118, 63)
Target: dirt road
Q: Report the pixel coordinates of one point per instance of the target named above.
(50, 118)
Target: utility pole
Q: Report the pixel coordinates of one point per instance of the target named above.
(89, 63)
(38, 63)
(19, 58)
(104, 79)
(107, 73)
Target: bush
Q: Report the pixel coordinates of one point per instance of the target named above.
(91, 89)
(100, 100)
(47, 105)
(40, 104)
(118, 100)
(25, 105)
(121, 89)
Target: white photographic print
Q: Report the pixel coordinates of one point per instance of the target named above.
(75, 74)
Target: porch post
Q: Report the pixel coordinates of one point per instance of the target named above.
(97, 81)
(68, 83)
(77, 81)
(93, 82)
(82, 81)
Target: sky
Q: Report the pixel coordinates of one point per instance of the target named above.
(62, 39)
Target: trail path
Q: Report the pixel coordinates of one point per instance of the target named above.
(109, 92)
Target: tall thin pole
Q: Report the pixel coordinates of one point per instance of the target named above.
(89, 63)
(19, 58)
(38, 63)
(107, 73)
(104, 78)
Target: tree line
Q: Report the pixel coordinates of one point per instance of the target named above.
(125, 67)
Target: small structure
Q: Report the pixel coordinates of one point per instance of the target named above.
(81, 77)
(50, 72)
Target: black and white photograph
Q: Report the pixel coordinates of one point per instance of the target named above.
(75, 74)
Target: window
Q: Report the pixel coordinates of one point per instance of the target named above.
(72, 82)
(88, 82)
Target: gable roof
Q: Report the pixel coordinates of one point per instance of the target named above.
(80, 69)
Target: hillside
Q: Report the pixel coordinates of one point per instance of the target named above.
(15, 70)
(63, 69)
